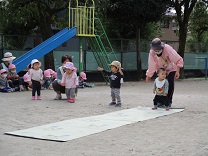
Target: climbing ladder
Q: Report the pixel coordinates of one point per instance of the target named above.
(81, 15)
(102, 48)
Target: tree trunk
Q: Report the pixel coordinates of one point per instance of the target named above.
(47, 32)
(138, 51)
(182, 45)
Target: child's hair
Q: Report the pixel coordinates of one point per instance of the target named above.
(160, 70)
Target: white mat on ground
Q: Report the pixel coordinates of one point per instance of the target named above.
(79, 127)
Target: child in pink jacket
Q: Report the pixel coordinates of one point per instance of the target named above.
(164, 56)
(70, 81)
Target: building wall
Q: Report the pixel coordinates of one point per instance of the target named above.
(169, 31)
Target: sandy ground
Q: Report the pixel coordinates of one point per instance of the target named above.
(180, 134)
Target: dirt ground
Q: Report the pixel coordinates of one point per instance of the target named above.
(180, 134)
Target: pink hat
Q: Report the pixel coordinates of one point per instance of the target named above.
(69, 65)
(47, 73)
(83, 75)
(51, 71)
(2, 71)
(55, 75)
(26, 77)
(12, 66)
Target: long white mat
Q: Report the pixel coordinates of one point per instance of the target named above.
(79, 127)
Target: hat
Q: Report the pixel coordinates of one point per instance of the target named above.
(157, 44)
(69, 65)
(3, 71)
(55, 75)
(83, 75)
(47, 73)
(8, 57)
(117, 64)
(51, 71)
(35, 61)
(26, 77)
(12, 66)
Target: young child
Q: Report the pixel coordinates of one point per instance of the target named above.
(160, 88)
(47, 79)
(116, 77)
(4, 85)
(70, 81)
(82, 79)
(25, 82)
(35, 78)
(14, 80)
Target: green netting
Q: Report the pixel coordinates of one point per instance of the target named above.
(128, 60)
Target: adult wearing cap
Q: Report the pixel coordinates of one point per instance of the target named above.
(164, 56)
(8, 58)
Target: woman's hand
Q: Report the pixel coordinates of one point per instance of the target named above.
(177, 75)
(30, 83)
(148, 79)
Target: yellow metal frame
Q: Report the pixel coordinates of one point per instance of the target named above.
(83, 18)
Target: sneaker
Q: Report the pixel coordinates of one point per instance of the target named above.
(154, 108)
(21, 88)
(118, 105)
(39, 98)
(112, 104)
(58, 97)
(71, 100)
(33, 97)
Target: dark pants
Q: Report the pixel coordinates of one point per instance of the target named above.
(15, 83)
(57, 87)
(171, 78)
(161, 99)
(36, 86)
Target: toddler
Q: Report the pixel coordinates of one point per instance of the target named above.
(14, 80)
(160, 88)
(35, 78)
(70, 81)
(116, 78)
(4, 85)
(82, 79)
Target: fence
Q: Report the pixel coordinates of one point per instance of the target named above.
(125, 50)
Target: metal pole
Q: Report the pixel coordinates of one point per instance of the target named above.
(80, 54)
(206, 64)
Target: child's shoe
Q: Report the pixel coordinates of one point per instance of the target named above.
(71, 100)
(154, 108)
(33, 97)
(112, 104)
(118, 105)
(39, 98)
(167, 108)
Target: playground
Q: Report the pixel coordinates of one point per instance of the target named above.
(183, 133)
(180, 133)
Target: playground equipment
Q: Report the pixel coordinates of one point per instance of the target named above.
(81, 15)
(82, 23)
(44, 48)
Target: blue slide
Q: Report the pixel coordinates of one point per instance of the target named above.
(44, 48)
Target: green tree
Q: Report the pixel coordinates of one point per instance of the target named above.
(183, 10)
(20, 17)
(130, 17)
(199, 21)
